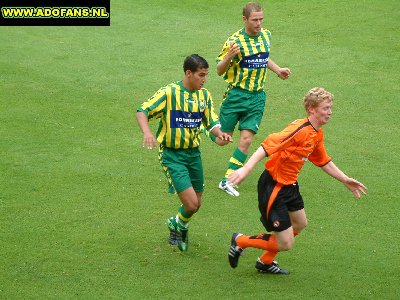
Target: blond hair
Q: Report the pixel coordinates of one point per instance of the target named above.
(251, 7)
(315, 96)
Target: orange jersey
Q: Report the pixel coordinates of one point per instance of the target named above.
(289, 149)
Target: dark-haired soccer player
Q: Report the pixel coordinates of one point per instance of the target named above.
(280, 203)
(181, 108)
(243, 62)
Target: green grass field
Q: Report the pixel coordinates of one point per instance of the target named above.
(83, 205)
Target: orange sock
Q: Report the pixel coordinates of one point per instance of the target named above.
(261, 241)
(268, 256)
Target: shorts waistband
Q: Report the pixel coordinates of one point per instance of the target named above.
(195, 149)
(244, 91)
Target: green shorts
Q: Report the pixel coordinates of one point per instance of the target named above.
(183, 168)
(244, 107)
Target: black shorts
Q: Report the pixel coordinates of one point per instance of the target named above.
(275, 200)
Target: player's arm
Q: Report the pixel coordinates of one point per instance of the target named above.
(223, 65)
(356, 187)
(212, 125)
(283, 73)
(151, 109)
(148, 139)
(240, 174)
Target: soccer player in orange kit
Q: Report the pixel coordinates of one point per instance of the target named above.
(280, 201)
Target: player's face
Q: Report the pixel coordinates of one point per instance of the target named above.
(253, 23)
(322, 113)
(198, 79)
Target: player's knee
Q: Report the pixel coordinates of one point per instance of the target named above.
(300, 225)
(245, 143)
(286, 244)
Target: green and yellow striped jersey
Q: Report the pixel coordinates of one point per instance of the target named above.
(248, 69)
(181, 113)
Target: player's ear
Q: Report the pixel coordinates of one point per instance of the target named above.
(188, 73)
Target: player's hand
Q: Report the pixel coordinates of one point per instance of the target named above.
(234, 49)
(356, 187)
(149, 141)
(238, 176)
(284, 73)
(223, 139)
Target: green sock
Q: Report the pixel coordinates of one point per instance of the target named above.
(235, 162)
(182, 218)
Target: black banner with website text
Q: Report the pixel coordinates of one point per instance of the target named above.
(54, 13)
